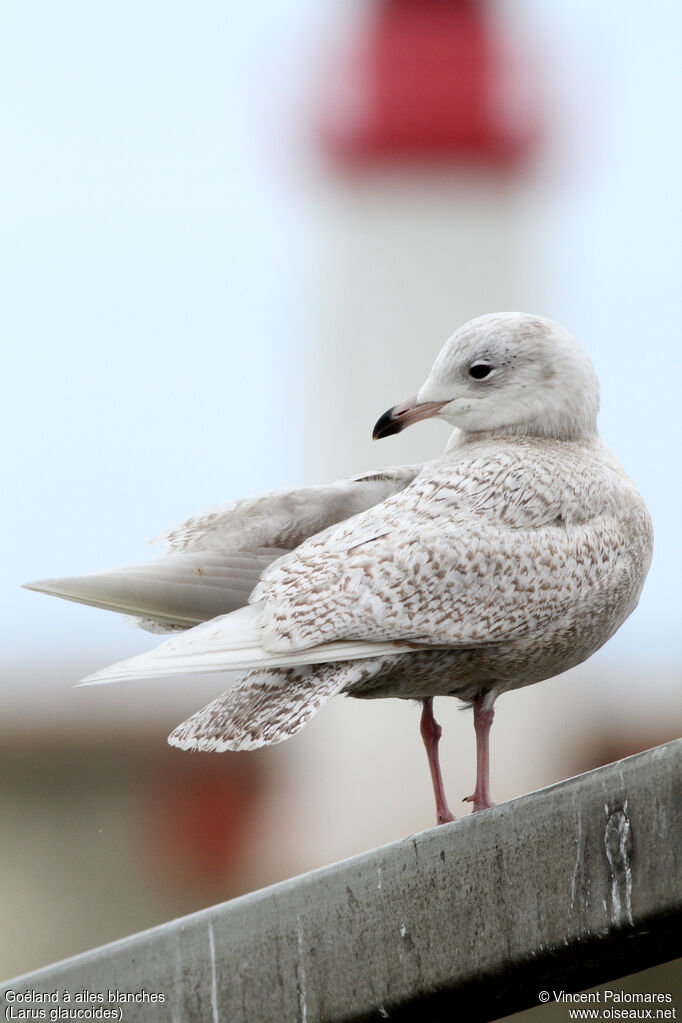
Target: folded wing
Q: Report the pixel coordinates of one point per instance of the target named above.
(470, 553)
(447, 562)
(232, 643)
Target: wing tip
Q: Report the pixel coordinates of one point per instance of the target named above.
(96, 680)
(117, 672)
(49, 586)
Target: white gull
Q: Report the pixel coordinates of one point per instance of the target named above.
(509, 559)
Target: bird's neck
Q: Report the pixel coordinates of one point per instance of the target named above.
(566, 430)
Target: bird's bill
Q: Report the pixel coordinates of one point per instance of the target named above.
(408, 412)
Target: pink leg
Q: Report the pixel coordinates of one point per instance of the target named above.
(483, 719)
(431, 733)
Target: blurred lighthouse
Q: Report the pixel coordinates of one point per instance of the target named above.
(429, 117)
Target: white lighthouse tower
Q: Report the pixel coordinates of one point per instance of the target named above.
(427, 125)
(429, 120)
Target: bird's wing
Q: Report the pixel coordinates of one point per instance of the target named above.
(285, 518)
(480, 551)
(476, 553)
(232, 643)
(175, 591)
(212, 562)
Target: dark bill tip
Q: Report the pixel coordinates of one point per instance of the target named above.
(408, 412)
(388, 424)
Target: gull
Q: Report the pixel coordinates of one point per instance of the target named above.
(509, 559)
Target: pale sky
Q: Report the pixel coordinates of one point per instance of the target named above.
(160, 240)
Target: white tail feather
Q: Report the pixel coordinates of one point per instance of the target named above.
(267, 706)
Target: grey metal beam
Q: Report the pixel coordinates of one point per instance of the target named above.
(567, 887)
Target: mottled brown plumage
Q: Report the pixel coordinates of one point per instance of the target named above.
(509, 559)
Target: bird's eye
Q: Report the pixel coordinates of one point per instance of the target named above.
(479, 370)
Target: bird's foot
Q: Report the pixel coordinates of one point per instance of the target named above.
(444, 817)
(480, 802)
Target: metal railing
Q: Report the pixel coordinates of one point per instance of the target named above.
(567, 887)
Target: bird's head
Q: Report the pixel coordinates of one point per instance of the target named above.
(510, 372)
